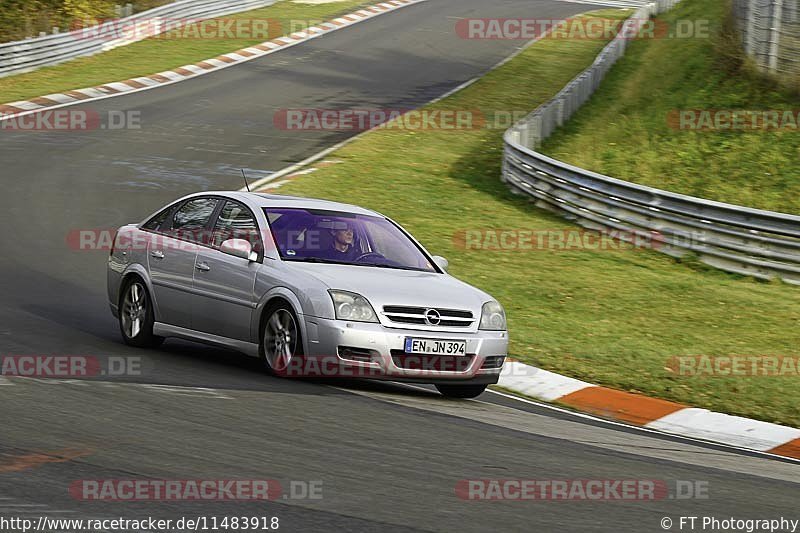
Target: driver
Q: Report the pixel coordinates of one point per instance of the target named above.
(344, 248)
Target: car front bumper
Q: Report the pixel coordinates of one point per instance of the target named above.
(338, 348)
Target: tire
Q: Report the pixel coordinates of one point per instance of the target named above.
(136, 317)
(281, 339)
(461, 391)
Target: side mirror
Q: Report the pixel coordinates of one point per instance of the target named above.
(441, 262)
(239, 248)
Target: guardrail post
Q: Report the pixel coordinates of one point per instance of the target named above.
(535, 133)
(775, 34)
(749, 28)
(590, 82)
(791, 12)
(516, 136)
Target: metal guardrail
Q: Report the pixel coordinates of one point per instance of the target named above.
(23, 56)
(770, 32)
(737, 239)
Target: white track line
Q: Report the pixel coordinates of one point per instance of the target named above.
(11, 506)
(613, 423)
(639, 428)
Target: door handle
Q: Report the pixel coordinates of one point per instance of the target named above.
(202, 266)
(158, 254)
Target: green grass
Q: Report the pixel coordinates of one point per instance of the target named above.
(158, 54)
(613, 318)
(623, 130)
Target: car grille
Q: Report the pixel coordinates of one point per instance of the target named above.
(449, 318)
(440, 363)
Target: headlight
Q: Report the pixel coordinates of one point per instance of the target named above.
(493, 317)
(352, 306)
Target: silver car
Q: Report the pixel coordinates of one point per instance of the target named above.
(313, 288)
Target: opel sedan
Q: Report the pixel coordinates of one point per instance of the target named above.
(311, 287)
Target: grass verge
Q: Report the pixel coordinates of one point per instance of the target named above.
(614, 318)
(166, 52)
(623, 131)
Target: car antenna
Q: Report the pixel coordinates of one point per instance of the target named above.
(245, 180)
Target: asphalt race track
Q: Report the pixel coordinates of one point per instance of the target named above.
(388, 456)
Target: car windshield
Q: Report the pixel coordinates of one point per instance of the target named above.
(322, 236)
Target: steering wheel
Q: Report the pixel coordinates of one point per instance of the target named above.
(369, 255)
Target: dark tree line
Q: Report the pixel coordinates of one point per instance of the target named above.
(24, 18)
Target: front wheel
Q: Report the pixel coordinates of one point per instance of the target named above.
(136, 316)
(281, 343)
(461, 391)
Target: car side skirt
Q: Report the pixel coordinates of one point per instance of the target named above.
(167, 330)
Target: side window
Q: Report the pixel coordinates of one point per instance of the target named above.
(190, 220)
(236, 221)
(155, 223)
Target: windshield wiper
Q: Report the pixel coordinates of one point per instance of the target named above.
(384, 265)
(315, 260)
(335, 262)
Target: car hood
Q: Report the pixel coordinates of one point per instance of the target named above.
(385, 286)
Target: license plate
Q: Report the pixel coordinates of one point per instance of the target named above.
(435, 346)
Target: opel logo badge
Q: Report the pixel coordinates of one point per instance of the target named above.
(432, 317)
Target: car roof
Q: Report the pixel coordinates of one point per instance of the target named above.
(284, 201)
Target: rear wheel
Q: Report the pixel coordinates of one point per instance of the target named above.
(281, 343)
(136, 316)
(461, 391)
